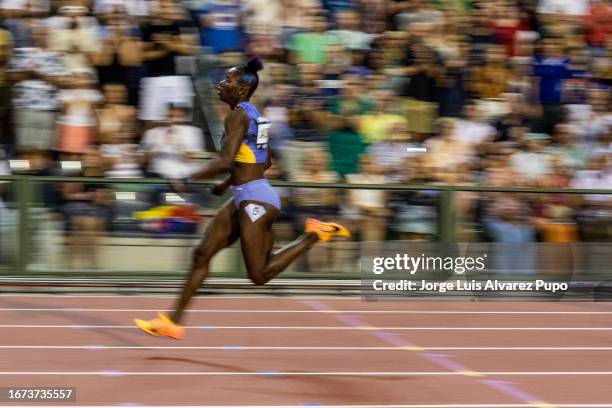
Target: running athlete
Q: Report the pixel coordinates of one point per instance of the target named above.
(249, 215)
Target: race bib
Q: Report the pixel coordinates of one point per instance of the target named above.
(254, 211)
(263, 126)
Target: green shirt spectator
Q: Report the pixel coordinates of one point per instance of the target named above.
(310, 48)
(345, 144)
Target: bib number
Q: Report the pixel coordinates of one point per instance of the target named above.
(263, 126)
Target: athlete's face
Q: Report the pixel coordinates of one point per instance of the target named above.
(232, 88)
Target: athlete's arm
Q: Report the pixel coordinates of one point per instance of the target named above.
(269, 158)
(221, 187)
(236, 125)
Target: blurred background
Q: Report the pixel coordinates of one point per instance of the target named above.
(462, 93)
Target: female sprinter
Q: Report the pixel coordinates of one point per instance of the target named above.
(249, 215)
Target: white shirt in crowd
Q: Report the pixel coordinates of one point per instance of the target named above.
(373, 199)
(588, 124)
(79, 103)
(531, 165)
(573, 7)
(37, 5)
(263, 15)
(167, 147)
(472, 133)
(135, 8)
(126, 160)
(593, 179)
(36, 94)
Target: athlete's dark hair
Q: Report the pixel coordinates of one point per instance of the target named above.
(249, 73)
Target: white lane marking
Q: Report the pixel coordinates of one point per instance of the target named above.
(212, 327)
(319, 373)
(172, 296)
(425, 312)
(534, 404)
(281, 348)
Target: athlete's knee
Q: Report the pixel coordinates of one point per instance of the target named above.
(257, 276)
(201, 256)
(259, 280)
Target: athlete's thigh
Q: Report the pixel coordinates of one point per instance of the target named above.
(256, 239)
(222, 231)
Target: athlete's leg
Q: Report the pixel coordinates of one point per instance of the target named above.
(257, 241)
(222, 231)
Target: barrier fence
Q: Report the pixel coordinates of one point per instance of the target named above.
(31, 240)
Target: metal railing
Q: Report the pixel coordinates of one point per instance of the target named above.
(23, 188)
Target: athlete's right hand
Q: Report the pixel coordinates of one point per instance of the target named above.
(219, 188)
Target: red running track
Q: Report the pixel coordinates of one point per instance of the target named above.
(320, 351)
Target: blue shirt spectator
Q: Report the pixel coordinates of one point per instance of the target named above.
(552, 68)
(552, 72)
(221, 26)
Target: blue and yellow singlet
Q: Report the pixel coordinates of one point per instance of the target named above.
(254, 147)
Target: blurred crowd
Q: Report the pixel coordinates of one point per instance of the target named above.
(465, 92)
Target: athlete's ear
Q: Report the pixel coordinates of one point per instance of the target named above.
(244, 88)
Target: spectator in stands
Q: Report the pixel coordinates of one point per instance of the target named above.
(413, 12)
(36, 73)
(491, 79)
(423, 69)
(72, 33)
(314, 202)
(138, 9)
(472, 130)
(164, 40)
(598, 24)
(311, 46)
(373, 16)
(570, 152)
(506, 217)
(307, 104)
(18, 9)
(6, 49)
(534, 163)
(368, 208)
(118, 59)
(594, 118)
(277, 110)
(515, 121)
(306, 117)
(17, 17)
(414, 213)
(375, 126)
(348, 32)
(551, 67)
(296, 18)
(447, 158)
(342, 121)
(506, 24)
(169, 148)
(392, 152)
(77, 130)
(87, 208)
(452, 90)
(220, 23)
(115, 112)
(593, 215)
(122, 156)
(263, 26)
